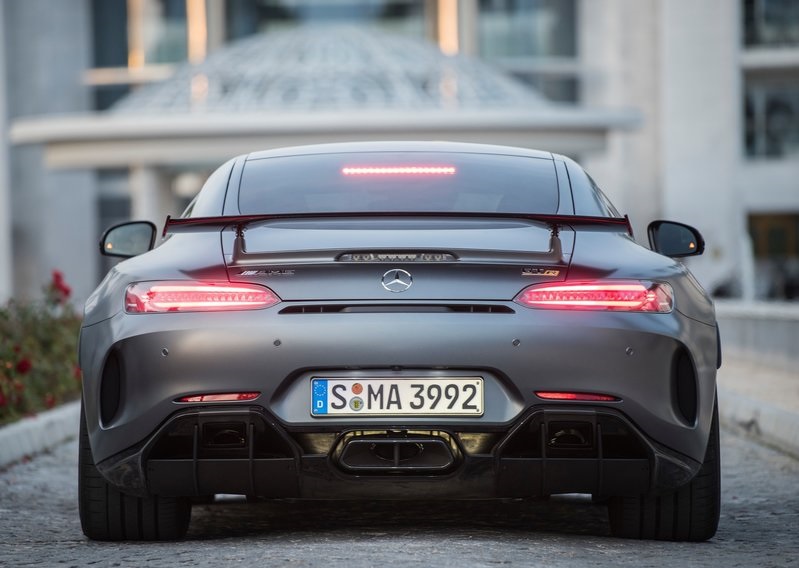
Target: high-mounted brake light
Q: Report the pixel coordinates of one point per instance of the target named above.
(583, 396)
(398, 170)
(609, 295)
(221, 397)
(147, 297)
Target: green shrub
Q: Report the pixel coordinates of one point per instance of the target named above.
(38, 353)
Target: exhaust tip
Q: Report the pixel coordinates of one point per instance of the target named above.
(386, 453)
(570, 435)
(224, 435)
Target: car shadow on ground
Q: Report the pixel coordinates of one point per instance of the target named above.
(566, 514)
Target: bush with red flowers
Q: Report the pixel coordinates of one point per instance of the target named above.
(38, 353)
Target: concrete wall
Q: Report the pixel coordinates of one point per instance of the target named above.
(5, 193)
(53, 213)
(766, 332)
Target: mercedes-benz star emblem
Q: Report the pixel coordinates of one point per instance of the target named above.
(397, 280)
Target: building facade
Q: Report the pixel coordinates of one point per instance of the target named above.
(715, 86)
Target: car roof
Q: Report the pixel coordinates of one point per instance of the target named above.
(400, 146)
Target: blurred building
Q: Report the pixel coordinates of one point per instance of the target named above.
(119, 108)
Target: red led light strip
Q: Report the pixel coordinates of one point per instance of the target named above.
(147, 297)
(620, 296)
(397, 170)
(576, 396)
(221, 397)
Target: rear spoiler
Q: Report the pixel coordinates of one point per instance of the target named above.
(240, 222)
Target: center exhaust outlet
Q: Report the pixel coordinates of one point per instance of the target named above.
(396, 453)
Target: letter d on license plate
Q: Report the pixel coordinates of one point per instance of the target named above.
(453, 396)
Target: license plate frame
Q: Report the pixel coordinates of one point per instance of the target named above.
(333, 397)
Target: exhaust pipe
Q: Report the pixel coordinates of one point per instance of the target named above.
(224, 435)
(570, 435)
(396, 454)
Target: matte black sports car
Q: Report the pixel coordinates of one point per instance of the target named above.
(399, 321)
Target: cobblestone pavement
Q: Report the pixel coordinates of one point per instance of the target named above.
(759, 527)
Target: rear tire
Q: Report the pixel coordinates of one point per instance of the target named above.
(691, 513)
(108, 514)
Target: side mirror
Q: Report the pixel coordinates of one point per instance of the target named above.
(128, 239)
(675, 239)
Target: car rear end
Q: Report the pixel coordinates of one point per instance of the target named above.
(402, 331)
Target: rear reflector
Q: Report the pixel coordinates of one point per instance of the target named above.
(147, 297)
(548, 395)
(223, 397)
(632, 296)
(398, 170)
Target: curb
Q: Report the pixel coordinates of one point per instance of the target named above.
(760, 420)
(38, 433)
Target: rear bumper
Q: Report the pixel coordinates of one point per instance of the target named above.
(161, 357)
(548, 450)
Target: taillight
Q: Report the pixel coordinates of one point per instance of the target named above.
(154, 297)
(625, 296)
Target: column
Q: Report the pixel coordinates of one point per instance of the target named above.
(701, 129)
(151, 198)
(5, 189)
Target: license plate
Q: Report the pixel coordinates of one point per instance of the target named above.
(457, 396)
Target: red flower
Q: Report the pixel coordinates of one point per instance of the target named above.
(77, 373)
(49, 400)
(23, 366)
(3, 399)
(59, 286)
(19, 387)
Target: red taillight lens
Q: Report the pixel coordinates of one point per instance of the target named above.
(549, 395)
(221, 397)
(147, 297)
(610, 295)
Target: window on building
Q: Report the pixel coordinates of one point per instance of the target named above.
(535, 40)
(771, 22)
(771, 113)
(247, 17)
(138, 41)
(775, 239)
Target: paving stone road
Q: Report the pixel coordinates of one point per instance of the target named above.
(759, 527)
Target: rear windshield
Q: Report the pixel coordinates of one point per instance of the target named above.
(398, 181)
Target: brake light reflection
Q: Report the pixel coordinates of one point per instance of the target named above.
(549, 395)
(398, 170)
(221, 397)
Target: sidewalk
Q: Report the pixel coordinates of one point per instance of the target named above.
(761, 400)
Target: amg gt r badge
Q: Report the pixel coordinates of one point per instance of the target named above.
(267, 272)
(397, 280)
(531, 271)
